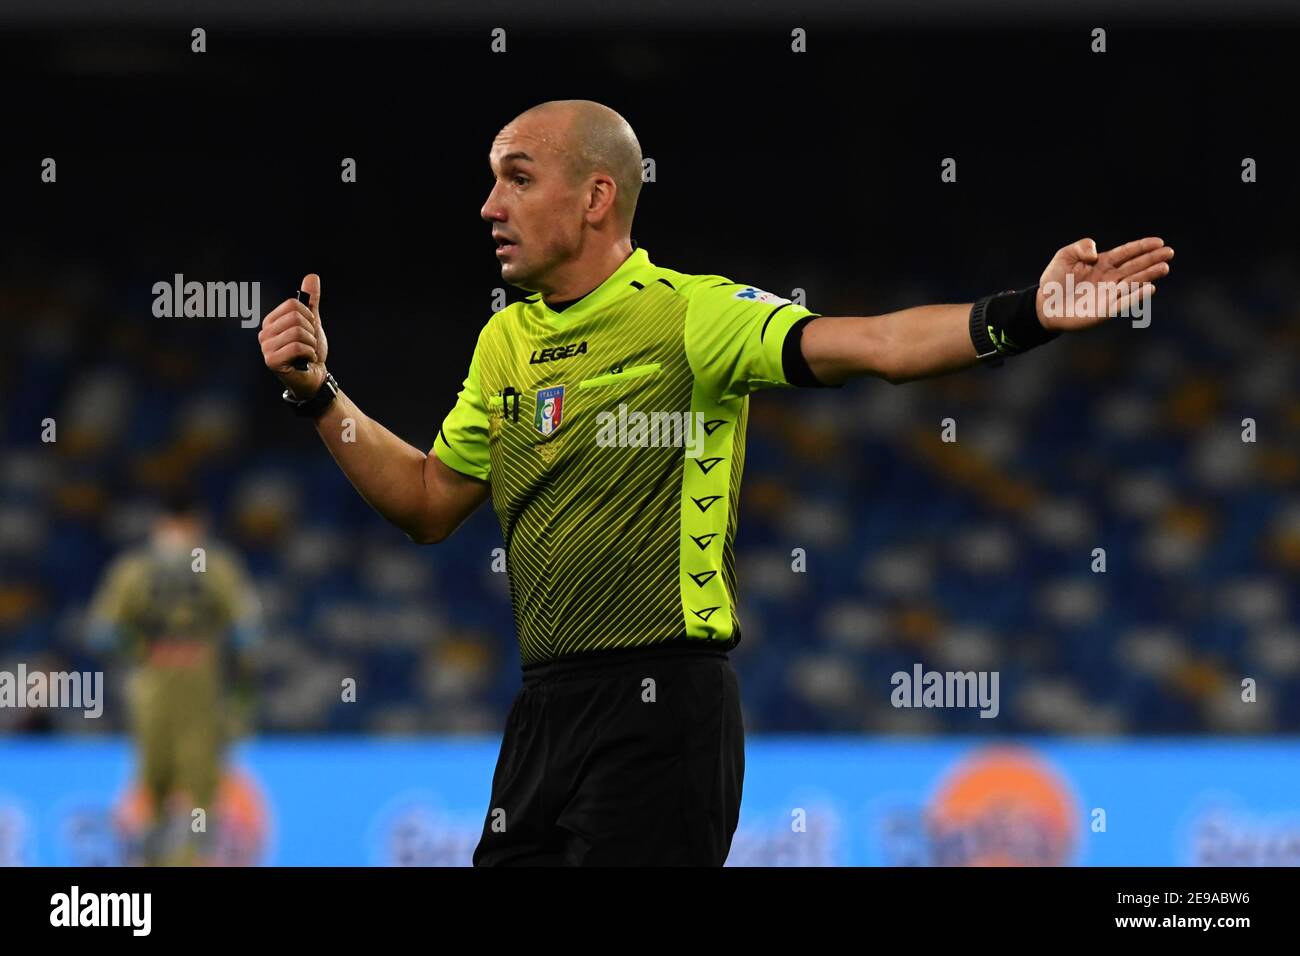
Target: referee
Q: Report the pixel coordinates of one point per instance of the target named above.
(605, 417)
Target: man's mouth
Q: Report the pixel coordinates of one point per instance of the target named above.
(504, 245)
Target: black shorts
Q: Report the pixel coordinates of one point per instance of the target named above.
(619, 758)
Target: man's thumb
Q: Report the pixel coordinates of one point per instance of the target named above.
(1086, 249)
(311, 285)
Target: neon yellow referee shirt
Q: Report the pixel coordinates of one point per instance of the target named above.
(612, 432)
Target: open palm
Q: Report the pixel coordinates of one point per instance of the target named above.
(1081, 288)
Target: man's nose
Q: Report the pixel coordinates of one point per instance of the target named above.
(492, 208)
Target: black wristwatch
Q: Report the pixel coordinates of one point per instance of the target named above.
(985, 350)
(315, 406)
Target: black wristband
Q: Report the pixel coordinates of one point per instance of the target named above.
(793, 364)
(315, 406)
(1007, 324)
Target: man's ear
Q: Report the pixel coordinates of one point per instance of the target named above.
(603, 196)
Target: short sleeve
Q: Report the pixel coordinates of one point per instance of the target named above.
(735, 337)
(462, 442)
(238, 594)
(112, 603)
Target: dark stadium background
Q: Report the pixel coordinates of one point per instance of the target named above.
(818, 171)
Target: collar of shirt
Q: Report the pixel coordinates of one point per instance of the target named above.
(636, 267)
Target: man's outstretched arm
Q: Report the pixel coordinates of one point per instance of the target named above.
(412, 489)
(1079, 288)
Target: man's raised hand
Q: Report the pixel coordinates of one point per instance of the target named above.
(293, 331)
(1081, 288)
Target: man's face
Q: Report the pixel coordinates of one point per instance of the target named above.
(174, 534)
(535, 208)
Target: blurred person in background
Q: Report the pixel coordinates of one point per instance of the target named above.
(181, 610)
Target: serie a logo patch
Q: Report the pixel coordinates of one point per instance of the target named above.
(750, 294)
(550, 403)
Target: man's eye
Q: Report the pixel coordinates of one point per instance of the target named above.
(521, 180)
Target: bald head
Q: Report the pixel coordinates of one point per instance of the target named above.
(566, 175)
(593, 138)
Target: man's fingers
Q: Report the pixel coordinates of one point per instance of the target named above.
(285, 356)
(281, 309)
(286, 307)
(1122, 254)
(1157, 271)
(278, 321)
(1124, 301)
(286, 320)
(1145, 261)
(295, 334)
